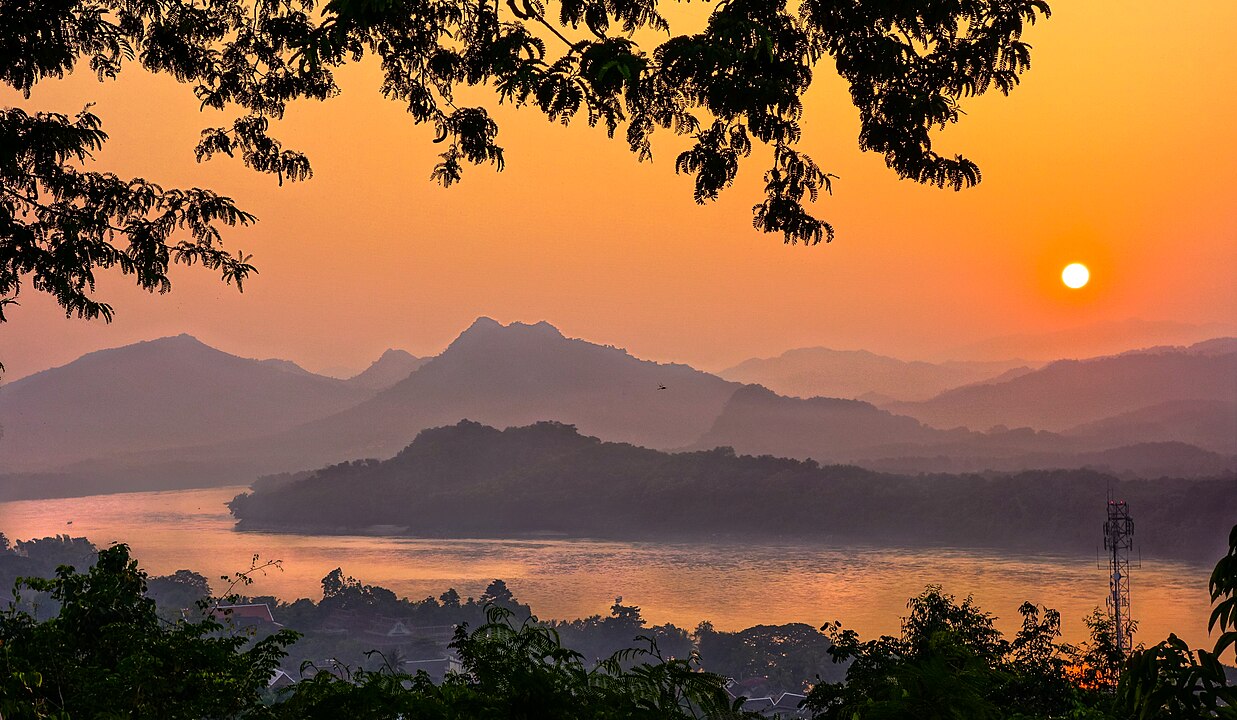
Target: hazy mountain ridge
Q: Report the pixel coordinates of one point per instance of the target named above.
(757, 421)
(1208, 423)
(1094, 340)
(823, 372)
(285, 365)
(203, 419)
(1211, 348)
(162, 393)
(547, 478)
(504, 375)
(391, 367)
(1067, 393)
(519, 374)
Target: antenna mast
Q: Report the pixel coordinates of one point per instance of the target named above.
(1118, 541)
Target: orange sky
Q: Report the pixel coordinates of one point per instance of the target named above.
(1117, 151)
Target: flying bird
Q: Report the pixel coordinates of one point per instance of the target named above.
(661, 387)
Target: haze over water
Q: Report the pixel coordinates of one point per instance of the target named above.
(733, 585)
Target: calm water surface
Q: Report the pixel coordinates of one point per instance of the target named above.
(733, 585)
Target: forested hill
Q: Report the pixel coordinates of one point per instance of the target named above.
(472, 480)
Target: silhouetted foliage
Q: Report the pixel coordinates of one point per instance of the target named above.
(349, 593)
(1169, 681)
(789, 657)
(353, 618)
(39, 558)
(59, 223)
(52, 552)
(107, 653)
(176, 594)
(519, 669)
(739, 80)
(597, 638)
(950, 662)
(1098, 663)
(1223, 588)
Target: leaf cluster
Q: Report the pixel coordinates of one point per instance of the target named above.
(512, 668)
(740, 80)
(59, 225)
(107, 653)
(1170, 680)
(950, 662)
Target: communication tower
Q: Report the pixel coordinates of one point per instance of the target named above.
(1118, 541)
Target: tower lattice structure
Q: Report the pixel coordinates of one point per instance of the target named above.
(1118, 541)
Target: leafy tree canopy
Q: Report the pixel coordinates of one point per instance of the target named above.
(950, 662)
(1169, 680)
(107, 653)
(738, 81)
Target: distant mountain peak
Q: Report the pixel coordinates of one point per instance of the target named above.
(541, 327)
(287, 366)
(757, 394)
(482, 324)
(391, 367)
(393, 354)
(820, 350)
(184, 339)
(485, 329)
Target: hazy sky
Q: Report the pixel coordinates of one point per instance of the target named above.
(1117, 151)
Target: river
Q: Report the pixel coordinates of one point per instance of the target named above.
(733, 585)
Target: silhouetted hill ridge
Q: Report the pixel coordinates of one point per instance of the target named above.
(473, 480)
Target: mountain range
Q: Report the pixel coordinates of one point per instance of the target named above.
(1069, 393)
(861, 375)
(1093, 340)
(175, 413)
(518, 374)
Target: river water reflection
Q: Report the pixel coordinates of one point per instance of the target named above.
(731, 584)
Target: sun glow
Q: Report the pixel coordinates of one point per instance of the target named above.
(1075, 275)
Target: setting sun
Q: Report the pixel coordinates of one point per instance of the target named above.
(1075, 275)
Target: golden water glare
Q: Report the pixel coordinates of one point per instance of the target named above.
(731, 583)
